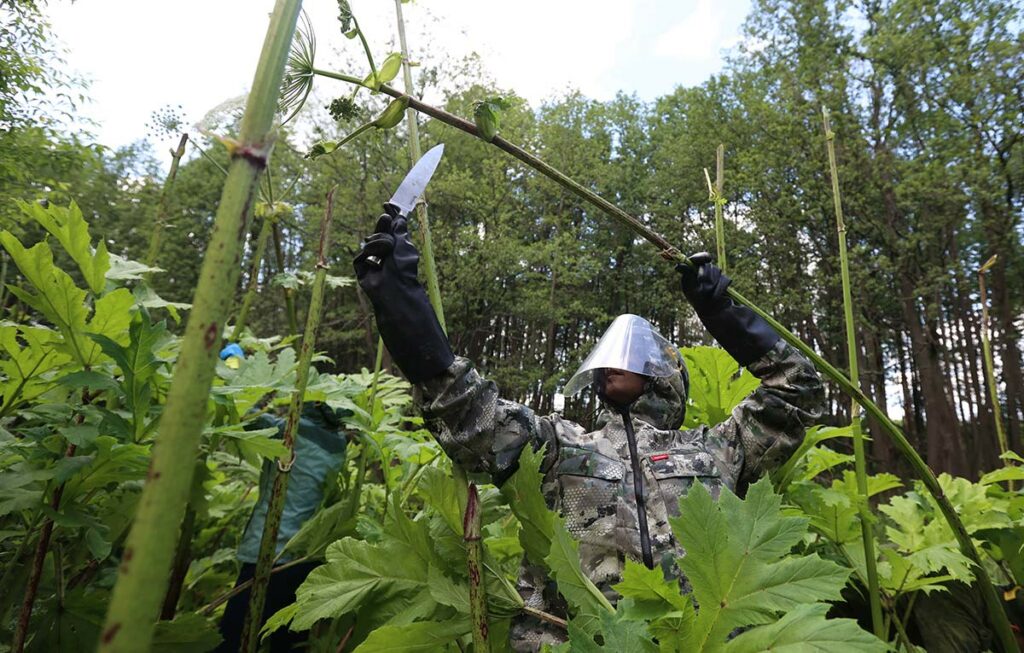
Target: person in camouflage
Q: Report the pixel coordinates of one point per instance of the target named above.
(618, 485)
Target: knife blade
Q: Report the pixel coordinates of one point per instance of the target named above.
(411, 188)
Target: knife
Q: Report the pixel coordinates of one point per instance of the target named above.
(411, 188)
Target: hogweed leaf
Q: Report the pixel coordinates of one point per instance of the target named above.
(358, 574)
(326, 526)
(611, 633)
(57, 297)
(806, 630)
(345, 17)
(487, 115)
(650, 592)
(110, 318)
(792, 469)
(70, 229)
(522, 491)
(281, 618)
(390, 68)
(124, 269)
(424, 637)
(392, 114)
(738, 564)
(716, 385)
(138, 362)
(563, 560)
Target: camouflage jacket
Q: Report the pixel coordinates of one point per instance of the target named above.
(588, 476)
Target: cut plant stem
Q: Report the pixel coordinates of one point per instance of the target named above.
(429, 266)
(669, 252)
(986, 345)
(149, 550)
(268, 545)
(474, 562)
(719, 204)
(161, 213)
(860, 461)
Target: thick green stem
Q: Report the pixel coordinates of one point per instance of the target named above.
(161, 213)
(719, 202)
(986, 346)
(474, 562)
(429, 266)
(669, 252)
(146, 560)
(254, 272)
(860, 460)
(268, 545)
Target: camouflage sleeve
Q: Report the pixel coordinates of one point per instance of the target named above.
(767, 427)
(477, 428)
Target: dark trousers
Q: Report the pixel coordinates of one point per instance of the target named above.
(280, 592)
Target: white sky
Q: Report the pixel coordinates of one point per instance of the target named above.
(142, 55)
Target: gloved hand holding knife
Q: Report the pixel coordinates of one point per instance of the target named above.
(386, 268)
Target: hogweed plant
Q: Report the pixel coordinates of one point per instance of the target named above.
(268, 544)
(716, 196)
(146, 561)
(860, 460)
(986, 345)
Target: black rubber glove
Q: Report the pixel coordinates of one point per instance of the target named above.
(386, 269)
(739, 330)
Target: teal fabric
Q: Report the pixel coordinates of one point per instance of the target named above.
(319, 454)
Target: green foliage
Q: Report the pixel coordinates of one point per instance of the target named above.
(740, 564)
(563, 561)
(345, 18)
(717, 385)
(487, 115)
(522, 492)
(805, 628)
(423, 636)
(388, 71)
(737, 561)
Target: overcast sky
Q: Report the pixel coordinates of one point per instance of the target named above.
(141, 55)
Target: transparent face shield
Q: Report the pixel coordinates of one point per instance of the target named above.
(631, 343)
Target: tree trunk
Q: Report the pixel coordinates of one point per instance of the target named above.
(943, 440)
(1007, 343)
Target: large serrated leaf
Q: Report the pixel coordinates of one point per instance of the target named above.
(806, 630)
(70, 229)
(716, 385)
(57, 297)
(652, 595)
(424, 637)
(563, 561)
(522, 491)
(737, 561)
(359, 573)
